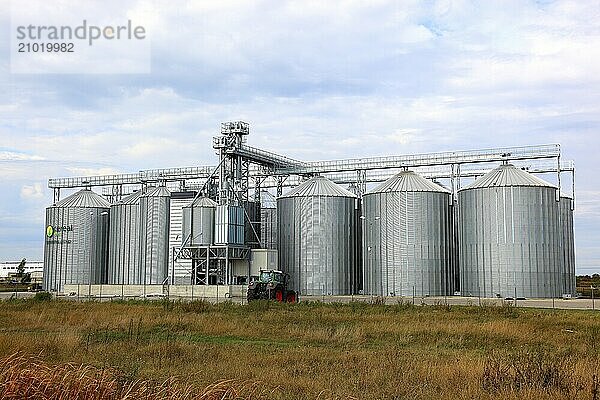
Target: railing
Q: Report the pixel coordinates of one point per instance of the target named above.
(150, 175)
(101, 180)
(345, 169)
(431, 159)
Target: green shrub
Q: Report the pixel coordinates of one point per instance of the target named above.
(42, 296)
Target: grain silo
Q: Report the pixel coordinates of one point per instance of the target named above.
(199, 222)
(509, 236)
(230, 225)
(568, 244)
(407, 238)
(268, 220)
(154, 235)
(76, 246)
(179, 268)
(317, 238)
(124, 241)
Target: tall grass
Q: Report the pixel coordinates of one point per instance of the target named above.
(24, 377)
(305, 350)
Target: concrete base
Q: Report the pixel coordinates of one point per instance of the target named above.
(150, 291)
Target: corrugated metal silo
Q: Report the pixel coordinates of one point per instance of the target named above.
(317, 238)
(509, 236)
(407, 238)
(180, 269)
(229, 225)
(124, 241)
(199, 222)
(568, 244)
(268, 220)
(154, 231)
(76, 246)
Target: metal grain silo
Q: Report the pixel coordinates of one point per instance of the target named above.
(268, 220)
(199, 222)
(180, 269)
(407, 238)
(76, 247)
(568, 245)
(154, 235)
(230, 225)
(124, 242)
(509, 238)
(317, 238)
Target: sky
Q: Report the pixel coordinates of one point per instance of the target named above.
(316, 80)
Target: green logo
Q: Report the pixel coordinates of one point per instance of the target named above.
(49, 231)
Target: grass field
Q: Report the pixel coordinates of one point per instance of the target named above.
(268, 350)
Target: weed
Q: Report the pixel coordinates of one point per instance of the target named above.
(530, 370)
(42, 296)
(28, 377)
(196, 306)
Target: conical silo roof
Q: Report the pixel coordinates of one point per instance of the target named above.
(508, 175)
(202, 202)
(318, 186)
(267, 200)
(84, 198)
(160, 191)
(408, 181)
(133, 198)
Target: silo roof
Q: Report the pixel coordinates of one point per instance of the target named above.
(84, 198)
(408, 181)
(133, 198)
(318, 186)
(160, 191)
(267, 200)
(202, 202)
(508, 175)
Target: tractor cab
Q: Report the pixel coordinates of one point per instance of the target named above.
(275, 277)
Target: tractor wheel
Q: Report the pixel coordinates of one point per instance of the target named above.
(291, 297)
(279, 295)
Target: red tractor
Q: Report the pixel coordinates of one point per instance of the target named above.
(272, 285)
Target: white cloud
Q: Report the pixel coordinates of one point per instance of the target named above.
(32, 192)
(147, 147)
(522, 44)
(17, 156)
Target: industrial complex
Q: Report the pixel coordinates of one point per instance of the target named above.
(485, 223)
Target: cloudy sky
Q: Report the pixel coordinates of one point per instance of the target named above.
(316, 80)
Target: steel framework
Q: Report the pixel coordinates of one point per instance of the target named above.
(211, 264)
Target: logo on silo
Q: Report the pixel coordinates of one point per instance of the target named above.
(49, 231)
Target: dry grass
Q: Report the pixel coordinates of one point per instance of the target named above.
(307, 350)
(28, 378)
